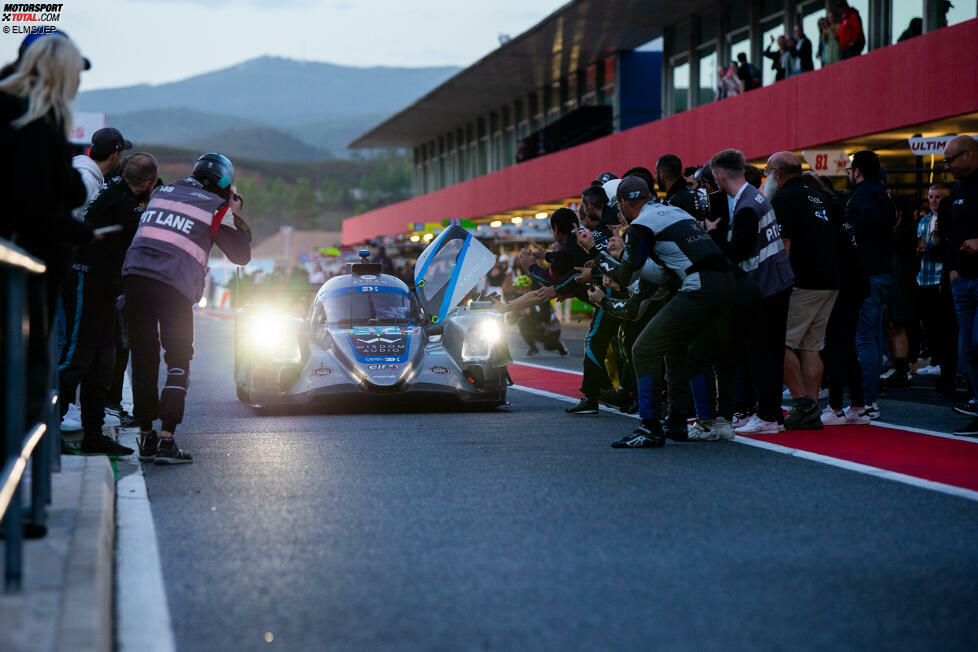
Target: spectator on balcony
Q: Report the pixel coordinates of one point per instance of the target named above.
(852, 39)
(803, 50)
(730, 84)
(829, 48)
(915, 28)
(748, 73)
(779, 57)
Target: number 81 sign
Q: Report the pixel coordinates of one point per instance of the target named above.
(830, 162)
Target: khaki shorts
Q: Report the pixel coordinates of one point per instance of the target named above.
(808, 316)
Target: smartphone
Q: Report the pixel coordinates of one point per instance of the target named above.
(719, 210)
(106, 230)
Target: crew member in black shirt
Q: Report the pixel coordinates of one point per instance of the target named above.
(809, 238)
(669, 177)
(90, 300)
(959, 212)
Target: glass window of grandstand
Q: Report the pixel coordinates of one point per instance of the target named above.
(771, 28)
(707, 90)
(961, 11)
(680, 86)
(906, 19)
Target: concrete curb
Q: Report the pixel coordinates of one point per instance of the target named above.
(86, 622)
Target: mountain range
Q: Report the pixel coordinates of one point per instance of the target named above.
(270, 108)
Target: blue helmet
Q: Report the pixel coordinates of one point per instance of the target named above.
(214, 170)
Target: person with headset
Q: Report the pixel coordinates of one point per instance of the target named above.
(163, 277)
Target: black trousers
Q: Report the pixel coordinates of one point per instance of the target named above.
(939, 325)
(533, 330)
(667, 339)
(157, 314)
(840, 356)
(121, 359)
(765, 353)
(89, 352)
(627, 334)
(604, 328)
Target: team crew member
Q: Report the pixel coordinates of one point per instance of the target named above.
(959, 212)
(683, 250)
(163, 277)
(537, 323)
(669, 176)
(809, 235)
(753, 242)
(102, 162)
(90, 298)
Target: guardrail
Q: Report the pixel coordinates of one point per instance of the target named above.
(22, 442)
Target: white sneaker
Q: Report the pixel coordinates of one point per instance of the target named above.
(758, 426)
(854, 418)
(72, 420)
(701, 430)
(111, 420)
(832, 418)
(740, 419)
(723, 429)
(872, 411)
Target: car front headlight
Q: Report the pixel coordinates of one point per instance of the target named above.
(273, 335)
(480, 339)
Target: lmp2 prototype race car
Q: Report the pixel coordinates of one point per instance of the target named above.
(368, 335)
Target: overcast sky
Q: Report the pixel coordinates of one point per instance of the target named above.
(155, 41)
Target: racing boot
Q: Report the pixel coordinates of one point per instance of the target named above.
(587, 405)
(647, 435)
(169, 453)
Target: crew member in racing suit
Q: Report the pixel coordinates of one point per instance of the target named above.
(163, 277)
(674, 240)
(568, 275)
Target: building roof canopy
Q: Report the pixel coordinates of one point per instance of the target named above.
(573, 37)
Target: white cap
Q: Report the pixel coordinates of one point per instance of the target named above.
(611, 189)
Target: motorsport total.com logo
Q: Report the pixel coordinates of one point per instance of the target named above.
(28, 15)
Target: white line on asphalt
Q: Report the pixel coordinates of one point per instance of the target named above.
(794, 452)
(141, 607)
(894, 426)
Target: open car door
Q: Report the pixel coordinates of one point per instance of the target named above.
(448, 269)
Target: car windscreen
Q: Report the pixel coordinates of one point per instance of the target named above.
(370, 305)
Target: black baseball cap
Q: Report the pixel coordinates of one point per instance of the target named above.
(605, 177)
(633, 188)
(30, 38)
(108, 141)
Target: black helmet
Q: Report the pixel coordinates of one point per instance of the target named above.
(214, 170)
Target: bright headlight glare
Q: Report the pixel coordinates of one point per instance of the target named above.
(480, 339)
(274, 335)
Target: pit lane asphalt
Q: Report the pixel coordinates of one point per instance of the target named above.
(522, 529)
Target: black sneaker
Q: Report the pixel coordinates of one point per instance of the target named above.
(641, 437)
(149, 443)
(968, 409)
(533, 351)
(102, 445)
(804, 415)
(168, 453)
(561, 349)
(631, 408)
(614, 398)
(970, 430)
(585, 406)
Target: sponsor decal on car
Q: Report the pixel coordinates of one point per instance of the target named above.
(440, 370)
(322, 370)
(381, 367)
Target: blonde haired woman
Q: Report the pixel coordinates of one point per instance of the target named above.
(38, 186)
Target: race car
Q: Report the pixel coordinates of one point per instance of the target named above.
(369, 336)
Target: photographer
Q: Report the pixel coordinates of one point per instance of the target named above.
(163, 277)
(90, 298)
(670, 236)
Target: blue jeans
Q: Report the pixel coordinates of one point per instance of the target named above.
(869, 334)
(965, 292)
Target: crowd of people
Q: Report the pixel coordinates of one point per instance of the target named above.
(125, 256)
(733, 283)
